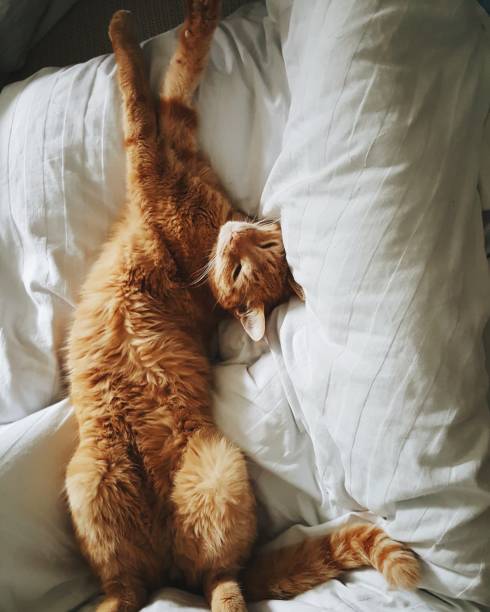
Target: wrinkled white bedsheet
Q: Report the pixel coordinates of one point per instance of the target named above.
(361, 126)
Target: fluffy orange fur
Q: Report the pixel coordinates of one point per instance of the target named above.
(157, 495)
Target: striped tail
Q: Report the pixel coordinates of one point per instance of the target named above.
(286, 572)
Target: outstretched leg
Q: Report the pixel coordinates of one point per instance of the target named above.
(111, 520)
(140, 125)
(178, 119)
(214, 519)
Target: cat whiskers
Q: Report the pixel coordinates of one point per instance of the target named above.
(201, 276)
(266, 224)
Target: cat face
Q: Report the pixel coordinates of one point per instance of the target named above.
(249, 274)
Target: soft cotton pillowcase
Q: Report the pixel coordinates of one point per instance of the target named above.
(376, 183)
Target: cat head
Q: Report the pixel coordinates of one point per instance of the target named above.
(248, 273)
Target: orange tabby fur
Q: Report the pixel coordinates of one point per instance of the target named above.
(156, 493)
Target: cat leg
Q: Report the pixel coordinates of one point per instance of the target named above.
(178, 119)
(223, 592)
(214, 518)
(145, 163)
(155, 174)
(191, 55)
(110, 517)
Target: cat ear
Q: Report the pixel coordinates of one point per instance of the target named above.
(253, 322)
(296, 288)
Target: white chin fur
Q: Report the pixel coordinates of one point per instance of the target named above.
(227, 229)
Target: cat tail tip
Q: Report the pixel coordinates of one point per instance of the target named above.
(363, 544)
(402, 570)
(290, 571)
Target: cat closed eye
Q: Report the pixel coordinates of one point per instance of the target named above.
(236, 271)
(268, 245)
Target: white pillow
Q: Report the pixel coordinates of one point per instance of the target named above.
(41, 568)
(377, 187)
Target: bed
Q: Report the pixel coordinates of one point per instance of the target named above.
(363, 127)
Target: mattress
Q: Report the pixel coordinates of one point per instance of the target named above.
(362, 127)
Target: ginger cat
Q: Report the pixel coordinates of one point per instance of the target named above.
(156, 493)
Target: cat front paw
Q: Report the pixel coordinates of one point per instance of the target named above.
(202, 16)
(121, 27)
(205, 9)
